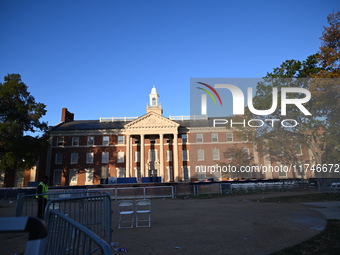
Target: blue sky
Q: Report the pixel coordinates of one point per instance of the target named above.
(101, 58)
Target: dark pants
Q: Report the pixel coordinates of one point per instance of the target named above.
(41, 207)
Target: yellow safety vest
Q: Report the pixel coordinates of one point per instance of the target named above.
(44, 190)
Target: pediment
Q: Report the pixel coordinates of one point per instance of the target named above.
(152, 121)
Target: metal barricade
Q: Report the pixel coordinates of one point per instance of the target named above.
(27, 205)
(93, 212)
(140, 192)
(66, 236)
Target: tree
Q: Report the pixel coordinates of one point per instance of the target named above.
(237, 157)
(19, 115)
(327, 91)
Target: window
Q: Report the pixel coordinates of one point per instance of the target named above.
(282, 172)
(168, 155)
(185, 155)
(246, 150)
(120, 172)
(216, 154)
(120, 139)
(230, 137)
(244, 138)
(104, 172)
(57, 175)
(73, 176)
(152, 157)
(120, 158)
(75, 141)
(152, 140)
(58, 158)
(199, 138)
(90, 140)
(89, 157)
(297, 149)
(170, 173)
(105, 157)
(60, 141)
(186, 173)
(106, 140)
(201, 175)
(89, 176)
(200, 154)
(74, 158)
(138, 173)
(214, 138)
(184, 138)
(137, 156)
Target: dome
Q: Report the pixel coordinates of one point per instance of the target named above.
(153, 90)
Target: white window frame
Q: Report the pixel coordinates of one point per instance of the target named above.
(229, 137)
(184, 138)
(216, 154)
(152, 155)
(73, 177)
(74, 158)
(214, 137)
(200, 155)
(89, 157)
(75, 141)
(120, 172)
(120, 157)
(105, 157)
(57, 177)
(104, 173)
(106, 140)
(89, 176)
(170, 173)
(90, 140)
(121, 139)
(137, 156)
(185, 155)
(199, 138)
(168, 156)
(58, 158)
(60, 141)
(186, 173)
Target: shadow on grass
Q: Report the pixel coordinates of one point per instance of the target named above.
(325, 243)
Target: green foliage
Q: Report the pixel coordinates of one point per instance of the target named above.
(19, 114)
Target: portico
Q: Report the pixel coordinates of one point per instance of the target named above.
(152, 147)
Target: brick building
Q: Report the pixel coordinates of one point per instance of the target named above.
(86, 152)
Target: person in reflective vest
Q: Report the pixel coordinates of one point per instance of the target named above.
(42, 199)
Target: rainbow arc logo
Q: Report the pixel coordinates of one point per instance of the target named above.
(204, 98)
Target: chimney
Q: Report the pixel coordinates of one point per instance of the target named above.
(66, 116)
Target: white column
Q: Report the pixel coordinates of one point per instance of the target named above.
(161, 156)
(176, 172)
(128, 163)
(142, 162)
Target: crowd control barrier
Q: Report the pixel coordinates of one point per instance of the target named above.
(66, 236)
